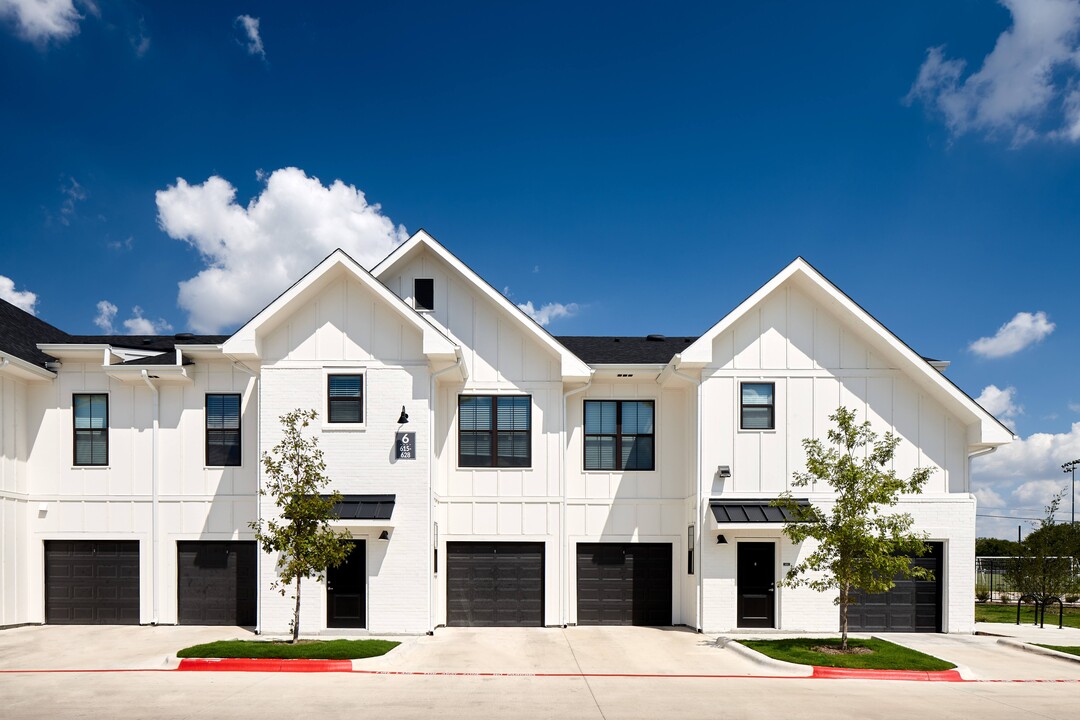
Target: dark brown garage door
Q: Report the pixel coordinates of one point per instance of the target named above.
(91, 582)
(215, 583)
(624, 584)
(494, 584)
(911, 606)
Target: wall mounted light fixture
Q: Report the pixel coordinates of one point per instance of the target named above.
(384, 535)
(404, 417)
(724, 471)
(721, 540)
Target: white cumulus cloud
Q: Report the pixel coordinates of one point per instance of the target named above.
(22, 299)
(1025, 475)
(1000, 403)
(41, 21)
(988, 498)
(1024, 89)
(106, 313)
(549, 311)
(137, 324)
(1023, 330)
(253, 252)
(252, 40)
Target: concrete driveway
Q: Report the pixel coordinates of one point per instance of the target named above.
(585, 655)
(575, 650)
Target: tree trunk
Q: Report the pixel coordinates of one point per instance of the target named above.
(845, 595)
(296, 614)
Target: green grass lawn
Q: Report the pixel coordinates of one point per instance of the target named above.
(998, 613)
(1071, 649)
(886, 655)
(306, 649)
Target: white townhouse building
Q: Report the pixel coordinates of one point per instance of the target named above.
(492, 474)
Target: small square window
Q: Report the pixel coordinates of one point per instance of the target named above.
(90, 418)
(424, 294)
(222, 430)
(345, 398)
(758, 407)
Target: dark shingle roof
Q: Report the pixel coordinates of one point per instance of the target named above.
(607, 350)
(20, 332)
(165, 358)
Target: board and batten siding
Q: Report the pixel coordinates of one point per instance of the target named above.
(14, 505)
(817, 364)
(115, 501)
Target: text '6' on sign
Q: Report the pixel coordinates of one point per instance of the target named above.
(404, 443)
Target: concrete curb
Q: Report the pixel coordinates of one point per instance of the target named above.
(1032, 648)
(792, 669)
(263, 665)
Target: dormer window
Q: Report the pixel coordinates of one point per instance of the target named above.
(424, 293)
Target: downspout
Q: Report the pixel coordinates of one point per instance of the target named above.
(698, 556)
(564, 537)
(154, 582)
(258, 498)
(458, 365)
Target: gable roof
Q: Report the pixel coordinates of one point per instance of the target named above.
(991, 432)
(20, 332)
(572, 365)
(244, 342)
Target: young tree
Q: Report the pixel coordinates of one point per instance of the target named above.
(301, 534)
(1046, 568)
(859, 546)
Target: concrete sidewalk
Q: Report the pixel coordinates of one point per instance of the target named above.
(1032, 633)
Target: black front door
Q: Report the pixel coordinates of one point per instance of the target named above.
(345, 605)
(756, 584)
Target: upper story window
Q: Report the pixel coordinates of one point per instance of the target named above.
(345, 398)
(222, 429)
(91, 423)
(619, 435)
(495, 430)
(424, 293)
(757, 409)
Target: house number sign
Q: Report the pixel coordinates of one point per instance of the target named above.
(405, 443)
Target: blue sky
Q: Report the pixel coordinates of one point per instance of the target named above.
(625, 168)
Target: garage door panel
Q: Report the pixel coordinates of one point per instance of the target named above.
(495, 584)
(216, 583)
(911, 606)
(92, 582)
(624, 583)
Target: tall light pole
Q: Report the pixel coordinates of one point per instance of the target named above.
(1070, 467)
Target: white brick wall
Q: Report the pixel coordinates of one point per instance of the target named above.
(948, 519)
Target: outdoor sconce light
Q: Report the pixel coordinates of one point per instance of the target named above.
(724, 471)
(404, 417)
(721, 540)
(385, 536)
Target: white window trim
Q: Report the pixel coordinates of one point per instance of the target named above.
(328, 426)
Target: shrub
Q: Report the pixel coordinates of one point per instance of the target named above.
(982, 593)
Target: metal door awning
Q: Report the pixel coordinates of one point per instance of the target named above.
(727, 512)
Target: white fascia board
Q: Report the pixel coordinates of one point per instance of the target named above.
(160, 373)
(572, 367)
(74, 351)
(23, 369)
(988, 430)
(244, 342)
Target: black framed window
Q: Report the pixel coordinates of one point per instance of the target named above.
(620, 435)
(495, 430)
(424, 293)
(91, 423)
(345, 398)
(222, 429)
(757, 408)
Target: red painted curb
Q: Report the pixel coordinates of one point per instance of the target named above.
(831, 673)
(263, 665)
